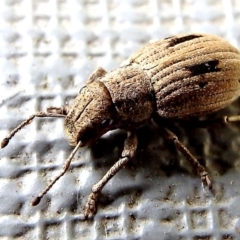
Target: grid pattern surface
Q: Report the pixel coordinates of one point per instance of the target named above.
(47, 50)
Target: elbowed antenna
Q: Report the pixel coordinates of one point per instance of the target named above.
(51, 112)
(65, 167)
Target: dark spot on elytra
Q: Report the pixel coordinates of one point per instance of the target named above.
(174, 41)
(202, 68)
(202, 84)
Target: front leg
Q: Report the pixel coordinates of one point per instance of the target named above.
(130, 146)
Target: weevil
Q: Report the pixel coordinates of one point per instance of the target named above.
(174, 78)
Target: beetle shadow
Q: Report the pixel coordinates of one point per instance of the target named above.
(107, 149)
(214, 146)
(154, 155)
(157, 157)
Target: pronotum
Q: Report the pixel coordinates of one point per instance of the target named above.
(177, 77)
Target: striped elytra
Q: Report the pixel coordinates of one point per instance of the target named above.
(191, 74)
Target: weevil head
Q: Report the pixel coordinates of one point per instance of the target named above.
(91, 115)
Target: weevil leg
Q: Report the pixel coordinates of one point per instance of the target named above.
(6, 140)
(65, 167)
(211, 123)
(130, 146)
(200, 169)
(215, 122)
(231, 119)
(98, 73)
(172, 137)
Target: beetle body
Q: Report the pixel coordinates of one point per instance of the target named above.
(180, 76)
(177, 77)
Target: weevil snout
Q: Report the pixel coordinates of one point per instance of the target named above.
(92, 114)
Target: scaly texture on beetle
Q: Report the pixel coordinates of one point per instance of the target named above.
(191, 75)
(177, 77)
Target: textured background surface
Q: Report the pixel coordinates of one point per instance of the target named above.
(47, 50)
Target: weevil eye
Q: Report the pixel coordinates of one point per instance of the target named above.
(107, 123)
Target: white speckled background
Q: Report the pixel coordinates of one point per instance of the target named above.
(47, 50)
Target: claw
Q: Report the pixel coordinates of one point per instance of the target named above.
(206, 179)
(90, 207)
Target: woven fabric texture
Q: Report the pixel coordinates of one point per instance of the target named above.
(48, 48)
